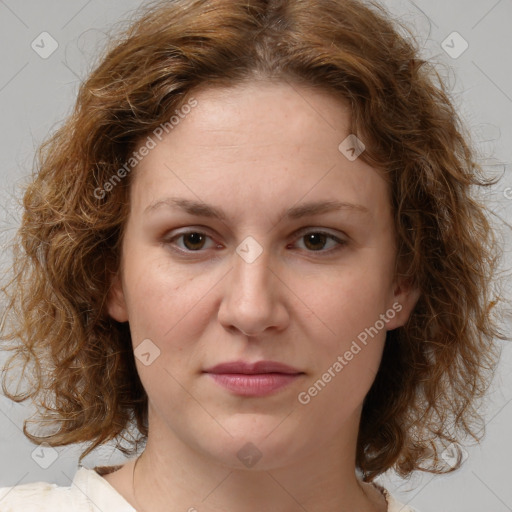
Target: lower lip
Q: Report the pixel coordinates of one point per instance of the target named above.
(253, 385)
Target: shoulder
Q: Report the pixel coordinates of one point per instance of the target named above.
(393, 504)
(36, 496)
(88, 492)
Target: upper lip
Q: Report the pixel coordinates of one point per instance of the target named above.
(253, 368)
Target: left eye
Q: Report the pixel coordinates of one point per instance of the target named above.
(315, 241)
(319, 238)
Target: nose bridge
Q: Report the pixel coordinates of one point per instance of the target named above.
(249, 301)
(251, 271)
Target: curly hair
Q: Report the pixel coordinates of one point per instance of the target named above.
(78, 363)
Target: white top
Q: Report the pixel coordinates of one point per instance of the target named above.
(90, 492)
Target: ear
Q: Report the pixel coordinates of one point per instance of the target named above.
(116, 303)
(403, 299)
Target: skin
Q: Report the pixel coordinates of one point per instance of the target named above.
(255, 150)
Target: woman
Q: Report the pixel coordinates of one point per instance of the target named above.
(255, 241)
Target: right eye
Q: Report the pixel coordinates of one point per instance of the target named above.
(193, 241)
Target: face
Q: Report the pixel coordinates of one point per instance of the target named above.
(274, 278)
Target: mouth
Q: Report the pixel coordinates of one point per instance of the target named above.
(246, 368)
(253, 379)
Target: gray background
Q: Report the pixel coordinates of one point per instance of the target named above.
(37, 93)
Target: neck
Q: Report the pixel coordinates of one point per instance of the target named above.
(169, 476)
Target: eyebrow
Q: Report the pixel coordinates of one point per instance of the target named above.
(202, 209)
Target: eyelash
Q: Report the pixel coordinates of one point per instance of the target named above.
(341, 243)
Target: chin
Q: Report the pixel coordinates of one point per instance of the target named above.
(257, 445)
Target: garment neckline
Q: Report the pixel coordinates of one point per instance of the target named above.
(100, 499)
(100, 471)
(385, 493)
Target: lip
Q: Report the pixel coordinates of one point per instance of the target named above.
(253, 379)
(259, 367)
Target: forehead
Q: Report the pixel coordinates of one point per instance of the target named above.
(260, 143)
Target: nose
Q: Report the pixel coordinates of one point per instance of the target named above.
(253, 298)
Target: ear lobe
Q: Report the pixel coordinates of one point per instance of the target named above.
(405, 297)
(116, 303)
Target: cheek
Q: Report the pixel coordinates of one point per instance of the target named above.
(348, 333)
(348, 345)
(344, 303)
(167, 304)
(151, 304)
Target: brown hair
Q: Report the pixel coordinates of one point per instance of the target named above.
(81, 362)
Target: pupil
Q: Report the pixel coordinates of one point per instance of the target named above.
(312, 237)
(196, 239)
